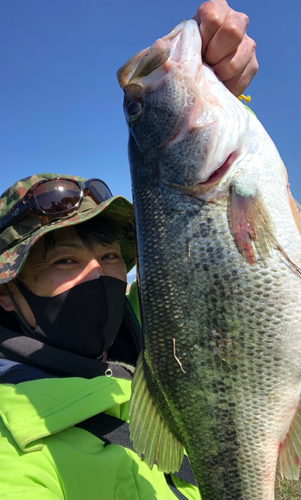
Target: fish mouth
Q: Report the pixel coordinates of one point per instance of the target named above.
(182, 47)
(219, 172)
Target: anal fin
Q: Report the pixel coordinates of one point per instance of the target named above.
(290, 450)
(151, 437)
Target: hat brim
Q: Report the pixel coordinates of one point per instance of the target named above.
(117, 208)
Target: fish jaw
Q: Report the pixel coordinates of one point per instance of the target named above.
(182, 46)
(169, 83)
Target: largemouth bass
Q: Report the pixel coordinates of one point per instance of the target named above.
(219, 258)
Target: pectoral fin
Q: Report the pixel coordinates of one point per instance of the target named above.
(150, 435)
(290, 450)
(249, 223)
(251, 227)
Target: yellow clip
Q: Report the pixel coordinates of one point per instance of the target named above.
(247, 98)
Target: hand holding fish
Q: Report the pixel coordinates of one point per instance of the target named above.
(225, 45)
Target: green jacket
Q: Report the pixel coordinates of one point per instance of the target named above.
(44, 456)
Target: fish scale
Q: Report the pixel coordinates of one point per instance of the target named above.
(219, 279)
(224, 306)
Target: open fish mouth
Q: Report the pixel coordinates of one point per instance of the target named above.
(194, 109)
(181, 47)
(185, 44)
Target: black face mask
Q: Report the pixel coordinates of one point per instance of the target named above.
(84, 320)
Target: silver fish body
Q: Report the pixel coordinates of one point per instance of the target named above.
(219, 274)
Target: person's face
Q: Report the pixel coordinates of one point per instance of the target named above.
(67, 264)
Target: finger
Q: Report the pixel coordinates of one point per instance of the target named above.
(239, 83)
(227, 38)
(217, 5)
(210, 16)
(235, 63)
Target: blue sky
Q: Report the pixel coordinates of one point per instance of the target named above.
(60, 103)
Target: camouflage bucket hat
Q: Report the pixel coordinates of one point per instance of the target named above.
(16, 241)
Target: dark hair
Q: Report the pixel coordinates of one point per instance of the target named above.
(99, 230)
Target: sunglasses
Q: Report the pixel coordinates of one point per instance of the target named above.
(55, 197)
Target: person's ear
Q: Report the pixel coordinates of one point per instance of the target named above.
(5, 301)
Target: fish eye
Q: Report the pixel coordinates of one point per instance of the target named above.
(133, 110)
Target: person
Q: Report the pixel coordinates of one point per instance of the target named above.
(69, 337)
